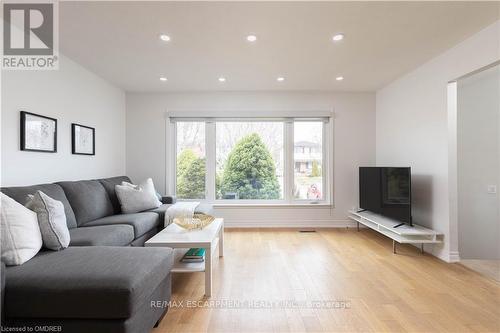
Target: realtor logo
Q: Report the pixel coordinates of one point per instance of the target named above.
(30, 36)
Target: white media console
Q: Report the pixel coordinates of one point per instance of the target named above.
(403, 234)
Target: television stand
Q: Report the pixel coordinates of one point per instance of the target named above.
(402, 234)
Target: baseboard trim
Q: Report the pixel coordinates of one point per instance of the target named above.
(289, 224)
(448, 257)
(453, 256)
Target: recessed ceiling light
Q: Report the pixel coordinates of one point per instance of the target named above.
(280, 79)
(251, 38)
(222, 79)
(338, 37)
(339, 78)
(164, 79)
(165, 38)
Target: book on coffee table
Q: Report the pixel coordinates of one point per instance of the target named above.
(194, 255)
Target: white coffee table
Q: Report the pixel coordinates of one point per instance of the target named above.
(181, 240)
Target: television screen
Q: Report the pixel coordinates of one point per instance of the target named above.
(386, 191)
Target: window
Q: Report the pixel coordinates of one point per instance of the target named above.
(251, 161)
(190, 160)
(307, 158)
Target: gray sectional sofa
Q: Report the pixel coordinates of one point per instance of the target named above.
(106, 281)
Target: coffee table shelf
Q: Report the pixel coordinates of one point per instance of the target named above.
(181, 240)
(188, 267)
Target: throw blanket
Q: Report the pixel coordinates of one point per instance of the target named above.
(180, 210)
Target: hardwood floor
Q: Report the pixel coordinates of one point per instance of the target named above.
(383, 292)
(488, 268)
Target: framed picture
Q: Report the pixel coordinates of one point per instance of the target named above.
(83, 140)
(38, 133)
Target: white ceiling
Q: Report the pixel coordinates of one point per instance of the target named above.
(119, 41)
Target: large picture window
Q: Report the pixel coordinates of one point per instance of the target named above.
(251, 161)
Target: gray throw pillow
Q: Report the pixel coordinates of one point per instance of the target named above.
(137, 198)
(51, 219)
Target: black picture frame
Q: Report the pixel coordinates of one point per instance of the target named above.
(24, 144)
(73, 140)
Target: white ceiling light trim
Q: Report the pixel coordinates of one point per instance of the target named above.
(338, 37)
(251, 38)
(165, 38)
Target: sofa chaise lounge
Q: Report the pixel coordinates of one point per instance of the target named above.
(105, 281)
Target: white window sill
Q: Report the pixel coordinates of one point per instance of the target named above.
(271, 205)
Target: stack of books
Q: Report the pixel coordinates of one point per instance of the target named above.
(194, 255)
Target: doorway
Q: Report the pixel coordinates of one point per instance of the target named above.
(478, 170)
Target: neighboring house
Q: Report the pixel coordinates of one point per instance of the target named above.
(306, 153)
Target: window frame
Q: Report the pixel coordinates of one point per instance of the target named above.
(288, 160)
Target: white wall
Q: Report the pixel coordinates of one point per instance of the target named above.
(478, 165)
(71, 94)
(412, 129)
(354, 139)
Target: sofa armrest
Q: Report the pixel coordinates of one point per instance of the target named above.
(168, 199)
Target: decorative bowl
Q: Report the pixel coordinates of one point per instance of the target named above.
(199, 221)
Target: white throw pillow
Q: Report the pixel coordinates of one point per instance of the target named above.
(147, 185)
(51, 219)
(137, 198)
(20, 233)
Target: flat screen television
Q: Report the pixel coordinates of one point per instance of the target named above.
(386, 191)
